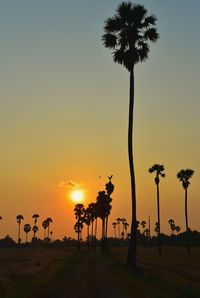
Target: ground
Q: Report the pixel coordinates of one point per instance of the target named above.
(60, 273)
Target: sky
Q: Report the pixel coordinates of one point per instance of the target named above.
(64, 113)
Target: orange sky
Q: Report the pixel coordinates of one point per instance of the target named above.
(64, 107)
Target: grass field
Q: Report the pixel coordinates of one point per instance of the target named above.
(59, 273)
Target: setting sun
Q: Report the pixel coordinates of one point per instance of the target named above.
(77, 196)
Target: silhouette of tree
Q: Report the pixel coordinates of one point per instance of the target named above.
(126, 225)
(104, 207)
(128, 34)
(177, 229)
(92, 210)
(143, 224)
(27, 229)
(172, 225)
(118, 220)
(184, 177)
(87, 220)
(35, 230)
(35, 217)
(19, 219)
(79, 213)
(51, 234)
(109, 189)
(114, 226)
(123, 220)
(45, 225)
(158, 169)
(49, 221)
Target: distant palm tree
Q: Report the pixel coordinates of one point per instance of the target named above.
(27, 229)
(143, 224)
(114, 226)
(19, 219)
(177, 229)
(128, 34)
(158, 169)
(35, 216)
(45, 225)
(49, 220)
(184, 177)
(126, 225)
(172, 225)
(35, 230)
(118, 220)
(51, 234)
(79, 211)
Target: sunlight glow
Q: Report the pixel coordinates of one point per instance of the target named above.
(77, 196)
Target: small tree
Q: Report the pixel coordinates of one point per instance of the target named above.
(27, 229)
(184, 177)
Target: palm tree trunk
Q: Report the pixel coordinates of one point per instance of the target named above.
(158, 206)
(186, 222)
(119, 229)
(26, 237)
(131, 259)
(115, 232)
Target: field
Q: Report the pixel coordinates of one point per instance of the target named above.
(59, 273)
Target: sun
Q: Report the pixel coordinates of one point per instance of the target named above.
(77, 196)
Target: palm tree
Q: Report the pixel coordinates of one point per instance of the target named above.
(118, 220)
(49, 220)
(177, 229)
(184, 176)
(171, 222)
(35, 230)
(114, 226)
(79, 211)
(143, 224)
(158, 169)
(35, 216)
(51, 234)
(128, 34)
(45, 225)
(27, 229)
(19, 219)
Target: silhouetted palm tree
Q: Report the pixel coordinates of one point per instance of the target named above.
(79, 213)
(51, 234)
(143, 224)
(126, 225)
(49, 221)
(35, 216)
(184, 176)
(92, 210)
(128, 34)
(45, 225)
(114, 226)
(27, 229)
(158, 169)
(35, 230)
(118, 220)
(177, 229)
(19, 219)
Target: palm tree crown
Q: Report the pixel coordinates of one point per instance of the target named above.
(158, 169)
(128, 34)
(184, 176)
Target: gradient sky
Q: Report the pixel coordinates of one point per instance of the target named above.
(64, 108)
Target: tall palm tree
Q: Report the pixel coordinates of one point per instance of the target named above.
(27, 229)
(184, 177)
(19, 219)
(128, 34)
(143, 224)
(171, 222)
(158, 169)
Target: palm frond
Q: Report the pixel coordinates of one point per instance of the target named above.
(113, 25)
(124, 10)
(150, 20)
(151, 34)
(138, 14)
(109, 40)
